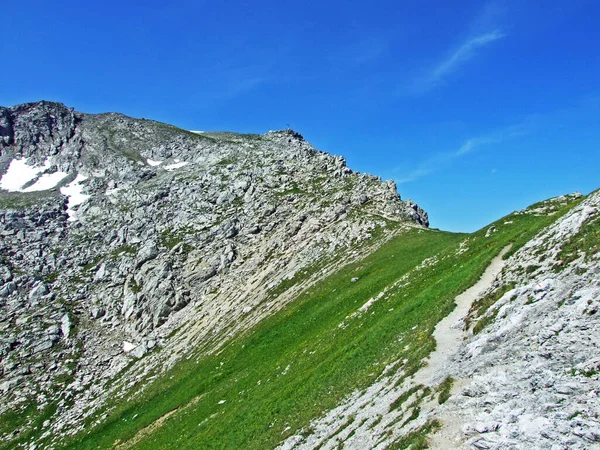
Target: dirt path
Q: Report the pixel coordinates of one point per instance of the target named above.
(367, 419)
(449, 332)
(449, 335)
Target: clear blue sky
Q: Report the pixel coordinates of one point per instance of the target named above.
(474, 108)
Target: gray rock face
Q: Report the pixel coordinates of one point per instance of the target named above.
(155, 229)
(28, 128)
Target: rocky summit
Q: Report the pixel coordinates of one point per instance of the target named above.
(165, 288)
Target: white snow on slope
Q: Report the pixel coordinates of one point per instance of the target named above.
(46, 181)
(153, 163)
(197, 131)
(177, 165)
(19, 173)
(73, 191)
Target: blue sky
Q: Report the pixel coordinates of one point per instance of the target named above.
(474, 108)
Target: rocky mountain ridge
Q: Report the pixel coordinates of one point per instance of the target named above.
(120, 234)
(162, 288)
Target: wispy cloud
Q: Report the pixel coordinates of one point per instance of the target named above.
(237, 87)
(223, 82)
(414, 175)
(482, 31)
(439, 161)
(505, 134)
(459, 57)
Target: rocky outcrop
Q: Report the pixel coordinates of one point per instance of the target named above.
(37, 130)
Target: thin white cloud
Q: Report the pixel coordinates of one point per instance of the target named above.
(537, 123)
(451, 63)
(226, 80)
(236, 87)
(414, 175)
(426, 167)
(461, 55)
(474, 143)
(439, 161)
(496, 137)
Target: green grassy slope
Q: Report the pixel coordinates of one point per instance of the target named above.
(267, 384)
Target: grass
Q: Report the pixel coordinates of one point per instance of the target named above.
(480, 307)
(24, 200)
(170, 238)
(130, 250)
(93, 263)
(414, 415)
(227, 161)
(300, 362)
(13, 420)
(416, 440)
(530, 269)
(444, 390)
(293, 190)
(51, 277)
(133, 286)
(404, 397)
(29, 421)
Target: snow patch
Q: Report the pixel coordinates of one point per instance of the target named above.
(151, 162)
(128, 346)
(177, 165)
(46, 181)
(73, 191)
(197, 131)
(19, 173)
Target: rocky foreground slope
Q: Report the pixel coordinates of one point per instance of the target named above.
(123, 237)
